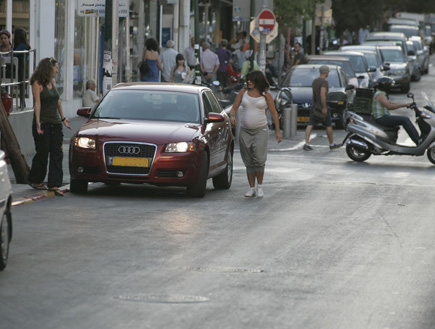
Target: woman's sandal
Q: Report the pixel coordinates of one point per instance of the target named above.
(38, 186)
(56, 191)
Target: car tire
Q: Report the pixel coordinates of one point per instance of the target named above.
(78, 186)
(197, 190)
(5, 238)
(223, 180)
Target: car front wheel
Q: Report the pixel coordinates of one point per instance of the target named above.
(197, 190)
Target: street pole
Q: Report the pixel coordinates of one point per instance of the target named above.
(197, 50)
(115, 33)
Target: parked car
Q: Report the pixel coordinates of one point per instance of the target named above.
(160, 134)
(408, 30)
(373, 61)
(6, 214)
(360, 65)
(372, 47)
(424, 53)
(341, 61)
(300, 79)
(398, 37)
(399, 67)
(415, 62)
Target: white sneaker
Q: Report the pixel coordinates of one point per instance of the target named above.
(250, 193)
(260, 192)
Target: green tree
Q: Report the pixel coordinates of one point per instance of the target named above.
(289, 12)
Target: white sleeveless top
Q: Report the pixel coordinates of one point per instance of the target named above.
(253, 112)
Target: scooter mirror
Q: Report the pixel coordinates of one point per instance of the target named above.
(410, 95)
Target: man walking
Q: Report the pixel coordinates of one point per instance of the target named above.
(209, 63)
(319, 112)
(167, 58)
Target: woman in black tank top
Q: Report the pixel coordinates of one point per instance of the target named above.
(47, 127)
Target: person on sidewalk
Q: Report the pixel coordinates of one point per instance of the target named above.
(47, 127)
(90, 97)
(151, 56)
(320, 90)
(254, 132)
(209, 63)
(167, 58)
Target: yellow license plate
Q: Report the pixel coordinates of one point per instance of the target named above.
(303, 119)
(130, 162)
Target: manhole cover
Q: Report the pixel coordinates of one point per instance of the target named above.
(164, 298)
(224, 269)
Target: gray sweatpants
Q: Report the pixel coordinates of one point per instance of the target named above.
(253, 148)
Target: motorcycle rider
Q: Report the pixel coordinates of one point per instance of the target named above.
(382, 106)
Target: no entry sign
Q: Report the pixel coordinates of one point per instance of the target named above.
(266, 21)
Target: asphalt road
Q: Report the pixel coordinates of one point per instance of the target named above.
(333, 244)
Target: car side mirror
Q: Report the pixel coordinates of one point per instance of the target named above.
(215, 117)
(349, 87)
(372, 69)
(386, 67)
(84, 112)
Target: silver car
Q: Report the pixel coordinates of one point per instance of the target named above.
(414, 60)
(399, 67)
(6, 216)
(423, 52)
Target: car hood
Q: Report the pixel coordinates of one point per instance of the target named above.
(140, 131)
(397, 66)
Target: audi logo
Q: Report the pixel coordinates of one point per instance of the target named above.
(129, 150)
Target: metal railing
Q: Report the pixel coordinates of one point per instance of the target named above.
(16, 79)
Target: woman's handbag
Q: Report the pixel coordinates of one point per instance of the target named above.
(143, 67)
(318, 115)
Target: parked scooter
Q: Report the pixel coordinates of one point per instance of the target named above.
(367, 137)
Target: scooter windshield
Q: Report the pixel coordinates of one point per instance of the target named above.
(430, 106)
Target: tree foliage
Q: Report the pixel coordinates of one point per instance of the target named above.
(289, 12)
(353, 14)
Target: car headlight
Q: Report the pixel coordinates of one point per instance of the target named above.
(180, 147)
(85, 143)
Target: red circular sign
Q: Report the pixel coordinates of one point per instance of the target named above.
(266, 21)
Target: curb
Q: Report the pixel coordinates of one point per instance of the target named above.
(41, 196)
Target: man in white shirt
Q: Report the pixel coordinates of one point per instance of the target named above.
(209, 63)
(189, 54)
(167, 58)
(90, 98)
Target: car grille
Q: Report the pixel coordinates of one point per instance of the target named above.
(141, 150)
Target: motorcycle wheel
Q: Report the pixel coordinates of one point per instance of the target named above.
(357, 155)
(431, 154)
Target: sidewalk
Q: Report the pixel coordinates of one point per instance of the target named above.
(23, 193)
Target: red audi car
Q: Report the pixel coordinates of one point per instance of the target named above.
(155, 133)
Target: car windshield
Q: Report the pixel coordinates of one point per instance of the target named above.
(393, 55)
(149, 105)
(357, 62)
(304, 77)
(346, 66)
(372, 59)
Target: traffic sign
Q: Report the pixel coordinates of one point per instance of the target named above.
(255, 33)
(266, 21)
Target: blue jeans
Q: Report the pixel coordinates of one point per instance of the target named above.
(399, 120)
